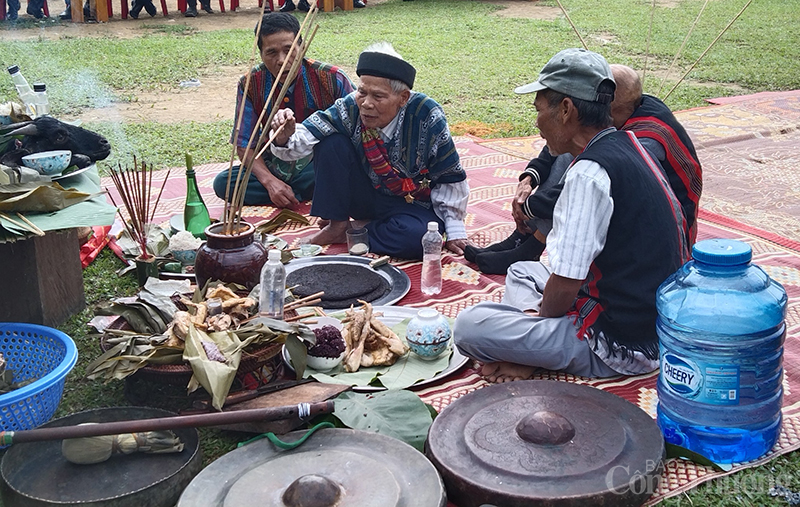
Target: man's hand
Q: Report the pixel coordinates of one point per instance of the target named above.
(456, 245)
(280, 193)
(285, 118)
(559, 296)
(524, 190)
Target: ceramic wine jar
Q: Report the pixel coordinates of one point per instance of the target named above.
(428, 333)
(233, 258)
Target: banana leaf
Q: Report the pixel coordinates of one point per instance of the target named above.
(41, 198)
(407, 371)
(676, 451)
(398, 414)
(157, 242)
(285, 215)
(216, 377)
(133, 316)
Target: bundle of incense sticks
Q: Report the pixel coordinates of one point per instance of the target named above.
(234, 199)
(135, 187)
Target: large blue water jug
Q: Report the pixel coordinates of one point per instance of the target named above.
(721, 330)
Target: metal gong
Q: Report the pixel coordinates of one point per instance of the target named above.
(35, 474)
(334, 467)
(546, 443)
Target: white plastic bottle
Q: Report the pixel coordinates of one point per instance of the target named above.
(26, 93)
(41, 103)
(431, 282)
(273, 286)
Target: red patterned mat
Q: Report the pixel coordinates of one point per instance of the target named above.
(750, 150)
(493, 178)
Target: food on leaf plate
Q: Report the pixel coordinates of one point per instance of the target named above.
(368, 341)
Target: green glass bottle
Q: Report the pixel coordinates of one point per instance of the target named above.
(195, 213)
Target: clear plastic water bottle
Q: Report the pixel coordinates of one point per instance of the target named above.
(273, 286)
(721, 330)
(41, 104)
(431, 282)
(26, 93)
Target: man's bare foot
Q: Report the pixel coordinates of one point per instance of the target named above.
(334, 232)
(323, 222)
(506, 372)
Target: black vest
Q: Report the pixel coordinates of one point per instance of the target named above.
(645, 244)
(654, 120)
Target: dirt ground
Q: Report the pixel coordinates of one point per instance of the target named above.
(214, 99)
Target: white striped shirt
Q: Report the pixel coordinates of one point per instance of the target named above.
(580, 220)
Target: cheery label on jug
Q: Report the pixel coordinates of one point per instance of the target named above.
(706, 383)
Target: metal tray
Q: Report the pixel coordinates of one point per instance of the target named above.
(393, 315)
(399, 283)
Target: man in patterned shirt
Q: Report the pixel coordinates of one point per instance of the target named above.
(316, 87)
(385, 159)
(592, 312)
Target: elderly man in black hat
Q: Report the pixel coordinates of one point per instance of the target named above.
(384, 158)
(617, 234)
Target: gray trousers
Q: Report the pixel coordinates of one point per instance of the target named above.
(493, 332)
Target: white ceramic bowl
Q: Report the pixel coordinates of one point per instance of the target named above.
(323, 364)
(48, 162)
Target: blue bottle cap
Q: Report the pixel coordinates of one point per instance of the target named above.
(722, 252)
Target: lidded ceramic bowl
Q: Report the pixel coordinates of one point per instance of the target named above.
(428, 333)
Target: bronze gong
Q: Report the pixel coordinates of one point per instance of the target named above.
(333, 468)
(546, 443)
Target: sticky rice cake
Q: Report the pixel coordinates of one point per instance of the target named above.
(343, 284)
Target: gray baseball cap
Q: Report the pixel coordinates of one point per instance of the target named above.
(575, 72)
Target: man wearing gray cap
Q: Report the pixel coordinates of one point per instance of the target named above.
(617, 234)
(383, 157)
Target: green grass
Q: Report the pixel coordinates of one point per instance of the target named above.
(467, 59)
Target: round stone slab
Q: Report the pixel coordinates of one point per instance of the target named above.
(546, 443)
(334, 467)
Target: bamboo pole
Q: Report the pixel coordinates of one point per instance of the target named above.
(247, 164)
(301, 410)
(573, 25)
(708, 49)
(649, 36)
(685, 40)
(31, 228)
(240, 116)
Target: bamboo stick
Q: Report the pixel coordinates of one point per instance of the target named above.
(240, 186)
(37, 230)
(649, 35)
(307, 298)
(240, 116)
(572, 25)
(299, 317)
(685, 40)
(34, 229)
(307, 303)
(708, 49)
(289, 79)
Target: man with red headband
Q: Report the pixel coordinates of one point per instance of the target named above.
(384, 159)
